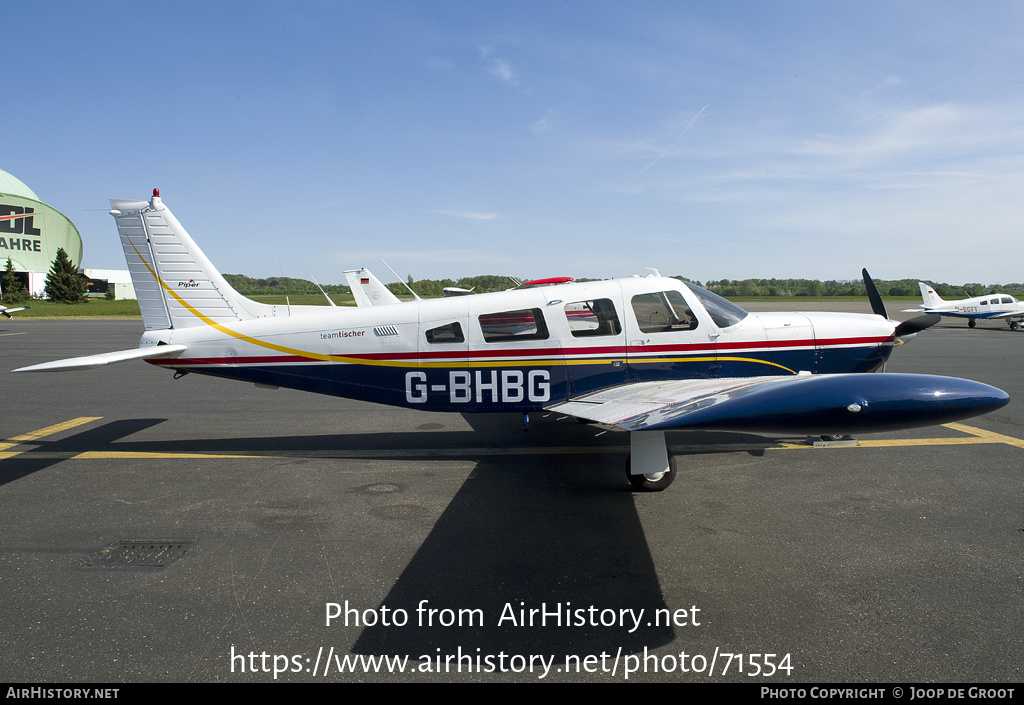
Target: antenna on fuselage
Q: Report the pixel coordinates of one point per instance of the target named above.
(287, 301)
(414, 295)
(322, 290)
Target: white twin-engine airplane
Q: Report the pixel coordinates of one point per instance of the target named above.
(644, 354)
(1002, 306)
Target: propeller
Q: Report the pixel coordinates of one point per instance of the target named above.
(907, 328)
(917, 324)
(874, 297)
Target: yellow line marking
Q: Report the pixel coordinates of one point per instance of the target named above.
(3, 334)
(135, 455)
(991, 435)
(43, 432)
(978, 436)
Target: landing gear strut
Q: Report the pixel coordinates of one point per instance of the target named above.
(655, 467)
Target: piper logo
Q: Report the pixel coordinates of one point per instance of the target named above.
(190, 284)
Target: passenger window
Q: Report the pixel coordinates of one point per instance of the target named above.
(984, 303)
(663, 311)
(451, 333)
(527, 324)
(592, 318)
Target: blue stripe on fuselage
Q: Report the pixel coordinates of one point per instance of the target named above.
(526, 385)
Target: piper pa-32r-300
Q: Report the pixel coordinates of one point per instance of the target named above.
(644, 354)
(1001, 306)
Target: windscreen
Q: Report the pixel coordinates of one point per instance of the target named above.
(723, 313)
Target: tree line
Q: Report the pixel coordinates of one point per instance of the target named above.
(432, 288)
(832, 287)
(64, 284)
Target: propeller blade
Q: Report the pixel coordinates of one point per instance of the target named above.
(876, 301)
(917, 324)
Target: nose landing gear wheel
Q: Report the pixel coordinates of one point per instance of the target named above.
(652, 483)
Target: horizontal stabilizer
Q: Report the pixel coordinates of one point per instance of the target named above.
(90, 361)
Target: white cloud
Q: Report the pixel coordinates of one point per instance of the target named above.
(502, 71)
(543, 125)
(469, 214)
(432, 256)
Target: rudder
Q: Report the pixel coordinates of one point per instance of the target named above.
(176, 285)
(928, 295)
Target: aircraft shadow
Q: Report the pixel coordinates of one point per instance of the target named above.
(528, 533)
(45, 454)
(531, 533)
(524, 533)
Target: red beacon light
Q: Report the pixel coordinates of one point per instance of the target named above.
(544, 282)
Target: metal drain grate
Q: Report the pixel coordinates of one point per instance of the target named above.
(141, 554)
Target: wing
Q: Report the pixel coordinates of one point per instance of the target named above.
(91, 361)
(802, 404)
(8, 311)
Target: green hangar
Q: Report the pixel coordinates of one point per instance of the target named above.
(31, 232)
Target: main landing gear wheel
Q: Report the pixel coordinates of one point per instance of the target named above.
(652, 483)
(971, 323)
(1014, 325)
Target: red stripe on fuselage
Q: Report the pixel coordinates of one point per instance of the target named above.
(569, 353)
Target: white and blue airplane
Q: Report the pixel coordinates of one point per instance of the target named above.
(642, 354)
(6, 312)
(998, 306)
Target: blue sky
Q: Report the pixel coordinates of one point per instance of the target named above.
(713, 140)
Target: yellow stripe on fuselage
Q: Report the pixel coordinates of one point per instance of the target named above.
(406, 363)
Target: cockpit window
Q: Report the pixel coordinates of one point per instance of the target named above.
(527, 324)
(592, 318)
(1007, 300)
(662, 311)
(723, 313)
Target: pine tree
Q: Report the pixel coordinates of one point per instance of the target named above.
(63, 283)
(10, 285)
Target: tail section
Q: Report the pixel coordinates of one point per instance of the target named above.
(368, 290)
(931, 299)
(176, 285)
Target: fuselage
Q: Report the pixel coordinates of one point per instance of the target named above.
(992, 306)
(524, 350)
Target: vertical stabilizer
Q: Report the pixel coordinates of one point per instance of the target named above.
(368, 290)
(931, 299)
(177, 286)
